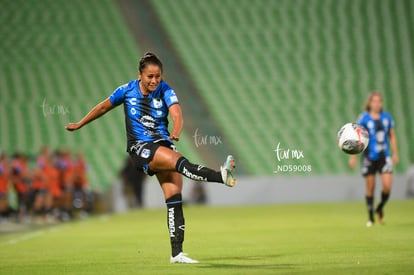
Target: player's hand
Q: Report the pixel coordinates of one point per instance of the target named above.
(174, 137)
(352, 162)
(395, 159)
(73, 126)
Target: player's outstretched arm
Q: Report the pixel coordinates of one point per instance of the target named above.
(177, 118)
(96, 112)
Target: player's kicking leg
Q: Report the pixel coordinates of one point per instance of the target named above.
(166, 159)
(201, 173)
(226, 171)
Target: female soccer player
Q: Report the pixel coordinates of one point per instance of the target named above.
(377, 157)
(148, 101)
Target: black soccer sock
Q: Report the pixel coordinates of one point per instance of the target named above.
(176, 224)
(384, 199)
(370, 206)
(197, 172)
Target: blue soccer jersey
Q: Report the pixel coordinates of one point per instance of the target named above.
(146, 117)
(379, 131)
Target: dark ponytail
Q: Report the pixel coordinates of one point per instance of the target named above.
(149, 58)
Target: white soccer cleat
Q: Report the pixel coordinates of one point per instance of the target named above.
(226, 170)
(182, 258)
(370, 223)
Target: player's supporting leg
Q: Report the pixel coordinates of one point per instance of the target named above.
(369, 197)
(386, 179)
(171, 184)
(176, 223)
(166, 159)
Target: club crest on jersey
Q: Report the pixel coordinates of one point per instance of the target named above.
(145, 153)
(157, 102)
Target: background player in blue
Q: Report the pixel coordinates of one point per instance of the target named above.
(377, 157)
(147, 102)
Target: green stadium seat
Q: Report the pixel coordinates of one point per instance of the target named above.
(292, 71)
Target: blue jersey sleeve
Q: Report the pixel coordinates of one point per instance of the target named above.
(170, 97)
(117, 97)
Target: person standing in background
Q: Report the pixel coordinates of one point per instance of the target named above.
(380, 155)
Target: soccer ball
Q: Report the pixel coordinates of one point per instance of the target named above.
(352, 138)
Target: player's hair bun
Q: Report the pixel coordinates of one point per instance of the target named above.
(148, 54)
(149, 58)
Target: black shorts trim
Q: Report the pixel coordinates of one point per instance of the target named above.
(142, 153)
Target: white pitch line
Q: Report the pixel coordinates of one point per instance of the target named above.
(24, 237)
(32, 235)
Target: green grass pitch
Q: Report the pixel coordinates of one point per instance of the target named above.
(326, 238)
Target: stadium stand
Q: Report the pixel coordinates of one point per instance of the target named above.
(58, 59)
(295, 71)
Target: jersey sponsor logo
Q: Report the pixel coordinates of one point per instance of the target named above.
(173, 99)
(150, 133)
(145, 153)
(193, 176)
(148, 121)
(380, 147)
(159, 113)
(370, 125)
(133, 101)
(386, 123)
